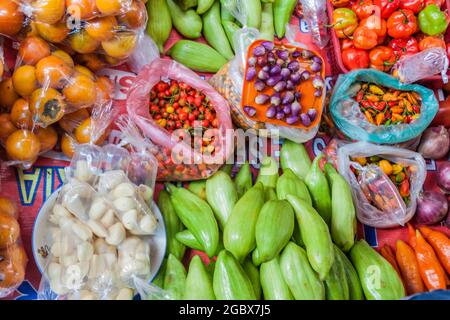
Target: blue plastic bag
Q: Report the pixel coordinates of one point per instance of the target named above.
(352, 122)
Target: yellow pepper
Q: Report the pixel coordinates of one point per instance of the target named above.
(386, 167)
(162, 122)
(396, 168)
(375, 89)
(361, 160)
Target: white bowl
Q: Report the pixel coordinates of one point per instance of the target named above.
(41, 237)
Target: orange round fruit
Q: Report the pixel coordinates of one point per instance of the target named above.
(84, 71)
(80, 91)
(82, 42)
(91, 61)
(53, 71)
(30, 29)
(32, 49)
(7, 206)
(105, 88)
(9, 230)
(101, 29)
(83, 131)
(85, 9)
(7, 94)
(121, 46)
(48, 137)
(21, 115)
(13, 262)
(24, 80)
(67, 145)
(47, 106)
(72, 120)
(135, 17)
(109, 7)
(11, 18)
(64, 56)
(7, 127)
(55, 33)
(48, 11)
(23, 145)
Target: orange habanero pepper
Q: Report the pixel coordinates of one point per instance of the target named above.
(409, 268)
(441, 245)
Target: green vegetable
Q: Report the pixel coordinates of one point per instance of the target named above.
(197, 216)
(270, 194)
(228, 169)
(432, 20)
(173, 225)
(225, 13)
(267, 30)
(336, 285)
(221, 195)
(272, 282)
(379, 279)
(253, 274)
(282, 12)
(187, 238)
(343, 217)
(289, 183)
(230, 28)
(243, 180)
(301, 279)
(214, 33)
(273, 229)
(320, 190)
(230, 281)
(354, 285)
(315, 235)
(159, 23)
(204, 5)
(252, 10)
(197, 56)
(188, 23)
(198, 282)
(199, 188)
(159, 279)
(268, 173)
(175, 278)
(295, 157)
(239, 233)
(297, 236)
(186, 4)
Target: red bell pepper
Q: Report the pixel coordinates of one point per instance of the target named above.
(431, 42)
(347, 44)
(365, 38)
(387, 7)
(404, 46)
(402, 24)
(363, 8)
(414, 5)
(382, 58)
(439, 3)
(355, 58)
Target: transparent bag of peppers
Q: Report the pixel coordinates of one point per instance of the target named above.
(229, 82)
(13, 258)
(387, 208)
(102, 224)
(102, 32)
(180, 157)
(348, 117)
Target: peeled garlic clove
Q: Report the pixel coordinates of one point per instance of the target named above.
(56, 249)
(129, 219)
(116, 234)
(68, 260)
(83, 171)
(97, 266)
(101, 247)
(125, 189)
(108, 219)
(85, 251)
(98, 208)
(111, 179)
(146, 193)
(82, 231)
(86, 295)
(54, 271)
(124, 204)
(97, 228)
(148, 224)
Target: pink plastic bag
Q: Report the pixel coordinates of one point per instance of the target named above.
(178, 160)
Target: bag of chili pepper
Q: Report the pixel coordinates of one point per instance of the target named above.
(385, 182)
(370, 105)
(185, 119)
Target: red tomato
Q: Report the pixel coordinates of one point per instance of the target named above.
(355, 58)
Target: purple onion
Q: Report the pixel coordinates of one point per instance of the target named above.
(259, 51)
(280, 86)
(318, 93)
(266, 69)
(271, 112)
(305, 119)
(276, 70)
(249, 110)
(432, 207)
(316, 67)
(271, 59)
(280, 62)
(288, 97)
(295, 108)
(262, 75)
(317, 59)
(268, 45)
(291, 120)
(261, 61)
(262, 98)
(275, 99)
(306, 54)
(287, 109)
(318, 82)
(444, 177)
(280, 115)
(285, 73)
(297, 95)
(280, 108)
(290, 85)
(251, 74)
(260, 85)
(295, 78)
(283, 54)
(252, 62)
(273, 80)
(312, 114)
(294, 66)
(296, 54)
(306, 75)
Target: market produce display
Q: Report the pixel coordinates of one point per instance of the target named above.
(224, 149)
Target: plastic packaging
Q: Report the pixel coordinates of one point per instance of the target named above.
(2, 60)
(315, 14)
(178, 160)
(99, 244)
(13, 259)
(422, 65)
(110, 28)
(387, 208)
(353, 123)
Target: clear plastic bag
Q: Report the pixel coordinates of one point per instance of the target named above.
(101, 221)
(387, 208)
(13, 259)
(229, 82)
(315, 14)
(109, 28)
(424, 64)
(352, 122)
(178, 160)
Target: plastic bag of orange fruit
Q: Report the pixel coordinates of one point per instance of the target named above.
(385, 182)
(110, 28)
(13, 259)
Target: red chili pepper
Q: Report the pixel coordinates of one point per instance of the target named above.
(359, 96)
